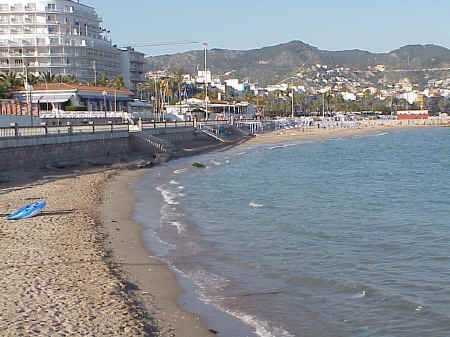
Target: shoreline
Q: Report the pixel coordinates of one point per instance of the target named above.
(154, 284)
(289, 135)
(99, 224)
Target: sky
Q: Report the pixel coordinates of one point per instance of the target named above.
(372, 25)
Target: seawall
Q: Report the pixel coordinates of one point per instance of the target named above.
(72, 149)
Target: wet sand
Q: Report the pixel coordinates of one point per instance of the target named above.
(154, 285)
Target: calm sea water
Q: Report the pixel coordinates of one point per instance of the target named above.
(342, 237)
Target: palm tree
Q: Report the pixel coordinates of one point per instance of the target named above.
(32, 78)
(69, 79)
(11, 80)
(102, 80)
(179, 77)
(117, 83)
(48, 77)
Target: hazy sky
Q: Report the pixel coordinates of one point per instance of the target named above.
(374, 25)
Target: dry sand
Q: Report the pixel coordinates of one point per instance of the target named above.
(367, 127)
(72, 272)
(54, 277)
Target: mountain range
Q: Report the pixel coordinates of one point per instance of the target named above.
(271, 64)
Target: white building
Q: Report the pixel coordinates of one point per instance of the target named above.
(132, 67)
(57, 36)
(204, 77)
(235, 84)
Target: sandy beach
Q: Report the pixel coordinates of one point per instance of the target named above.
(60, 276)
(80, 267)
(362, 128)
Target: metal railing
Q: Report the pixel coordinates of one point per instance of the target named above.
(166, 125)
(65, 130)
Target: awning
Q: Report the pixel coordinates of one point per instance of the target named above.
(46, 98)
(101, 98)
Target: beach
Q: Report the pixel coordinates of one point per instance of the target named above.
(360, 128)
(59, 276)
(80, 267)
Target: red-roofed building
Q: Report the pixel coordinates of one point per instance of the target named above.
(64, 97)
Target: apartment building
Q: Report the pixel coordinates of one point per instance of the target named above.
(57, 36)
(132, 67)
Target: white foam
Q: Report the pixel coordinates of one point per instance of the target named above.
(180, 228)
(174, 182)
(206, 281)
(179, 171)
(282, 146)
(227, 161)
(255, 205)
(262, 328)
(168, 196)
(217, 163)
(360, 295)
(181, 188)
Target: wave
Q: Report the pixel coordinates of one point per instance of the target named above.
(262, 328)
(174, 182)
(362, 294)
(282, 146)
(169, 197)
(206, 281)
(217, 163)
(180, 228)
(255, 205)
(180, 171)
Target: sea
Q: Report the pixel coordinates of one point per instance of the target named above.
(346, 236)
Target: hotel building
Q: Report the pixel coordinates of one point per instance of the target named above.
(62, 37)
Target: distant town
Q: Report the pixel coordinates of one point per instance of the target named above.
(58, 60)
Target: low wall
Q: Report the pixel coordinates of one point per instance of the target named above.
(39, 156)
(19, 142)
(182, 137)
(6, 120)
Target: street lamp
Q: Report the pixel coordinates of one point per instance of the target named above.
(105, 93)
(205, 44)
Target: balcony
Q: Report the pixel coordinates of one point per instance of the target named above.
(30, 8)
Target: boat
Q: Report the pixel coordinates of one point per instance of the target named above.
(28, 211)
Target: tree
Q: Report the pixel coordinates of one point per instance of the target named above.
(179, 77)
(69, 79)
(11, 80)
(117, 83)
(102, 80)
(48, 77)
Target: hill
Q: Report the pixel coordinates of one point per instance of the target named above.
(272, 64)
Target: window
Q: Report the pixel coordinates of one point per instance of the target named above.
(51, 7)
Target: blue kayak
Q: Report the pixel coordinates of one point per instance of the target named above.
(28, 211)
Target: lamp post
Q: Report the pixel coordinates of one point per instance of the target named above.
(205, 44)
(28, 90)
(104, 102)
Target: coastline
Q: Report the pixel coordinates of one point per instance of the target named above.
(154, 285)
(289, 135)
(99, 263)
